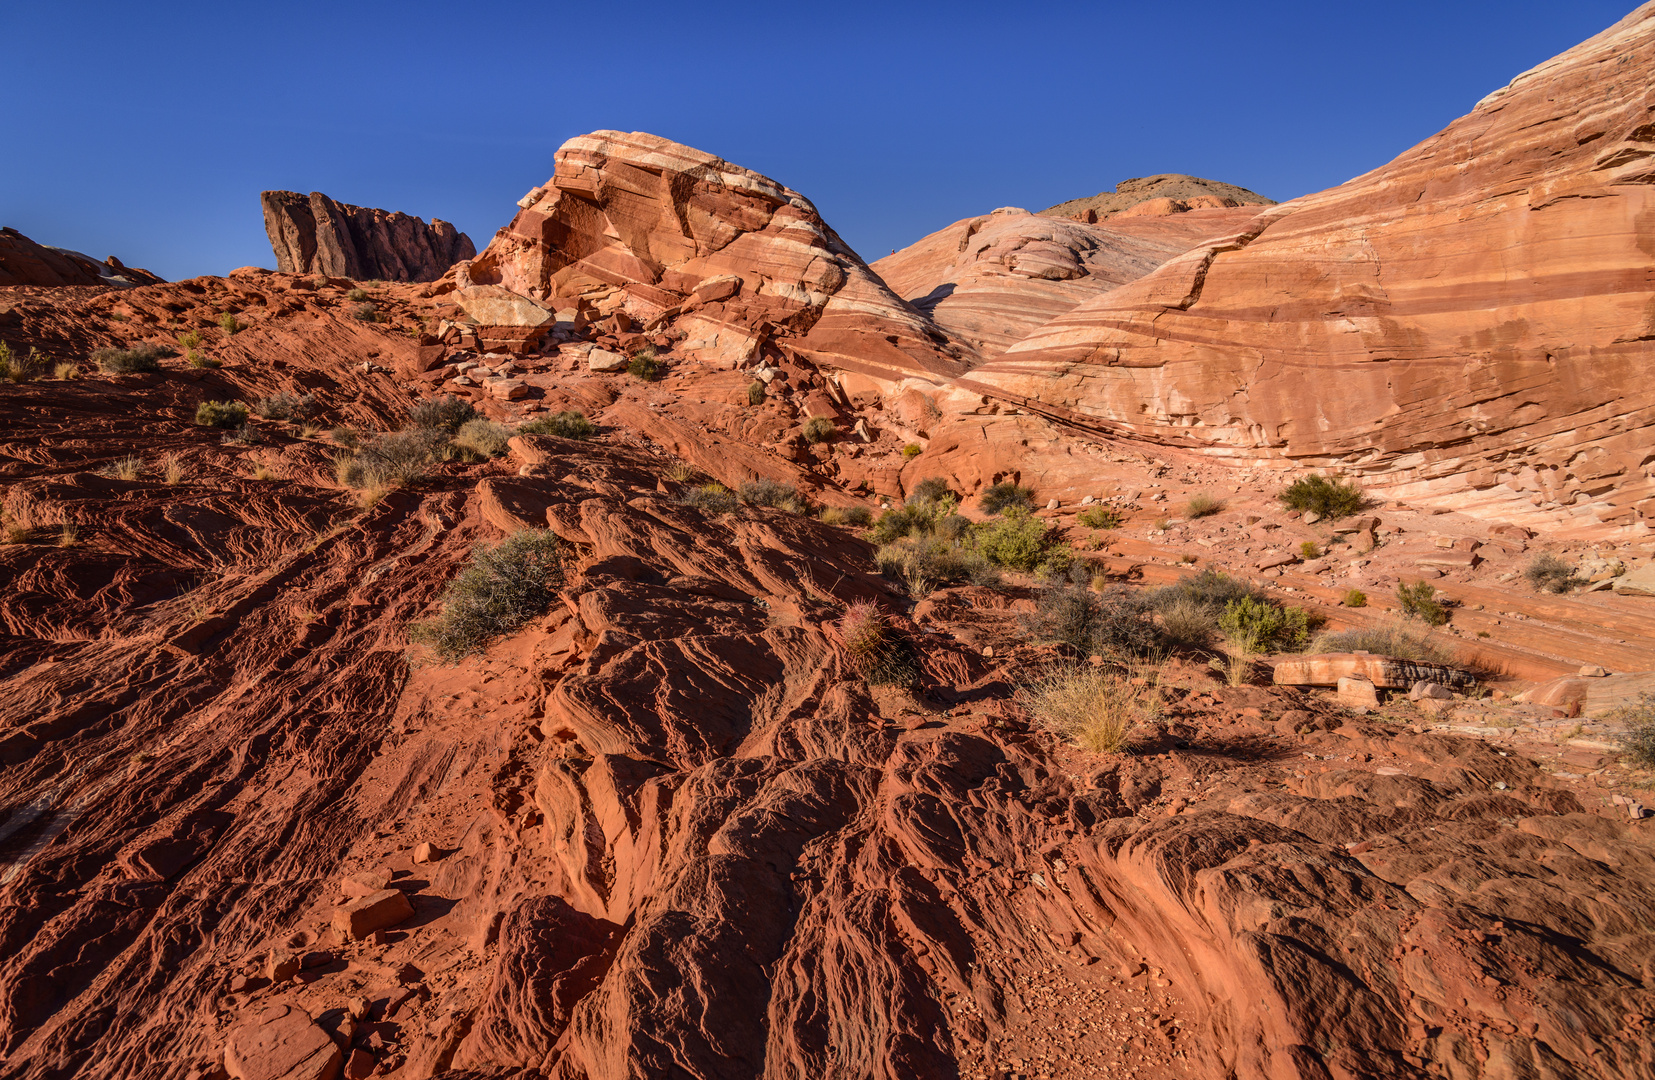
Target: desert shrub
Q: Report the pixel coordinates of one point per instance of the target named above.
(923, 517)
(1638, 741)
(873, 648)
(930, 490)
(912, 450)
(1202, 505)
(710, 499)
(1091, 706)
(1325, 496)
(69, 535)
(128, 468)
(1309, 550)
(1100, 517)
(191, 340)
(1356, 598)
(1114, 622)
(755, 393)
(1212, 589)
(775, 494)
(446, 413)
(819, 429)
(285, 406)
(1188, 558)
(855, 517)
(680, 472)
(349, 438)
(228, 323)
(645, 365)
(1548, 573)
(482, 438)
(565, 425)
(172, 468)
(1419, 601)
(1018, 541)
(66, 371)
(1186, 621)
(356, 294)
(23, 368)
(1004, 496)
(1393, 639)
(199, 360)
(505, 586)
(221, 414)
(923, 563)
(365, 313)
(140, 357)
(398, 457)
(1251, 627)
(241, 436)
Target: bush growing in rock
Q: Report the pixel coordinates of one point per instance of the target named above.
(755, 393)
(227, 322)
(505, 586)
(645, 365)
(221, 414)
(1638, 741)
(774, 493)
(819, 429)
(1091, 706)
(912, 450)
(1356, 598)
(356, 294)
(710, 499)
(873, 648)
(1202, 505)
(365, 313)
(859, 517)
(1005, 495)
(140, 357)
(22, 368)
(285, 406)
(1419, 601)
(446, 413)
(1018, 541)
(1321, 495)
(924, 562)
(1115, 622)
(1100, 517)
(1548, 573)
(565, 425)
(399, 457)
(482, 438)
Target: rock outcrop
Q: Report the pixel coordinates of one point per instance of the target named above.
(1469, 325)
(1157, 196)
(670, 238)
(24, 262)
(316, 235)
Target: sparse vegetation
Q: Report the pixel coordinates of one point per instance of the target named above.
(21, 369)
(128, 468)
(140, 357)
(1018, 541)
(565, 425)
(190, 340)
(1203, 504)
(1393, 639)
(912, 450)
(200, 360)
(1638, 741)
(221, 414)
(932, 489)
(819, 429)
(1550, 574)
(1116, 622)
(1309, 550)
(227, 322)
(858, 517)
(1091, 706)
(873, 648)
(505, 586)
(285, 406)
(482, 438)
(66, 371)
(1419, 601)
(645, 365)
(680, 472)
(775, 494)
(1100, 517)
(1356, 598)
(1188, 558)
(755, 393)
(365, 313)
(69, 535)
(446, 413)
(172, 468)
(1324, 496)
(398, 457)
(924, 562)
(356, 294)
(1186, 621)
(710, 499)
(1006, 495)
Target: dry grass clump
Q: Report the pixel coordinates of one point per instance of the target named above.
(505, 586)
(66, 371)
(1093, 707)
(1115, 622)
(680, 472)
(1393, 639)
(1548, 573)
(710, 499)
(221, 414)
(69, 536)
(1322, 495)
(1202, 504)
(565, 425)
(398, 457)
(820, 429)
(142, 356)
(227, 322)
(645, 365)
(357, 295)
(1638, 741)
(128, 468)
(365, 313)
(445, 413)
(481, 439)
(774, 493)
(873, 649)
(925, 563)
(285, 406)
(856, 517)
(23, 368)
(755, 393)
(172, 468)
(1186, 621)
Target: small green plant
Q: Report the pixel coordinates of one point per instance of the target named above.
(446, 413)
(1004, 496)
(932, 489)
(482, 439)
(1017, 541)
(710, 499)
(1356, 598)
(505, 586)
(227, 322)
(221, 414)
(356, 294)
(774, 493)
(1322, 495)
(1548, 573)
(1638, 740)
(1419, 601)
(191, 340)
(755, 393)
(140, 357)
(819, 429)
(1100, 517)
(645, 365)
(1484, 633)
(365, 313)
(873, 648)
(285, 406)
(912, 450)
(1202, 505)
(1093, 707)
(198, 360)
(564, 425)
(1309, 550)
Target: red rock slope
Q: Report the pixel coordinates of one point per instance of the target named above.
(24, 262)
(1468, 326)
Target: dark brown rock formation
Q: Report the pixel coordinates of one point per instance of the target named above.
(24, 262)
(317, 235)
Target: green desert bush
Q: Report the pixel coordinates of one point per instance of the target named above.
(505, 586)
(1419, 601)
(1100, 517)
(873, 648)
(923, 563)
(1202, 505)
(819, 429)
(221, 414)
(645, 365)
(932, 489)
(1548, 573)
(1091, 706)
(190, 340)
(565, 425)
(1323, 495)
(445, 413)
(1005, 495)
(1309, 550)
(912, 450)
(227, 322)
(1638, 740)
(142, 356)
(1017, 541)
(710, 499)
(755, 393)
(200, 360)
(1356, 598)
(285, 406)
(1391, 639)
(482, 438)
(357, 295)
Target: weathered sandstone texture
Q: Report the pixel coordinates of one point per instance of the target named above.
(24, 262)
(1468, 326)
(1157, 196)
(667, 237)
(316, 235)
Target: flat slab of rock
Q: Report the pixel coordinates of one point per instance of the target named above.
(1358, 692)
(359, 918)
(1449, 559)
(281, 1043)
(493, 305)
(1385, 672)
(1640, 582)
(506, 389)
(1270, 562)
(605, 361)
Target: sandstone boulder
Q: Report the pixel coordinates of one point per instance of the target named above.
(376, 911)
(281, 1043)
(1640, 582)
(1326, 669)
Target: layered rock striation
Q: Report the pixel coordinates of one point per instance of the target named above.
(24, 262)
(315, 235)
(1157, 196)
(1468, 324)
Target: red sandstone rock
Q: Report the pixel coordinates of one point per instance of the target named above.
(1187, 192)
(281, 1043)
(24, 262)
(375, 911)
(317, 235)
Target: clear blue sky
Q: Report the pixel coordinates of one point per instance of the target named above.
(147, 130)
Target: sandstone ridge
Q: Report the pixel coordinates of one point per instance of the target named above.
(1157, 196)
(24, 262)
(317, 235)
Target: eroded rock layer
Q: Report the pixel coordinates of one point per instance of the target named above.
(1471, 323)
(316, 235)
(1157, 196)
(24, 262)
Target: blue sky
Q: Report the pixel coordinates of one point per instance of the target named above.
(148, 130)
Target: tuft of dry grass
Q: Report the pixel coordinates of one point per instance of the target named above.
(264, 472)
(66, 371)
(1202, 504)
(1094, 708)
(69, 535)
(128, 468)
(680, 472)
(172, 468)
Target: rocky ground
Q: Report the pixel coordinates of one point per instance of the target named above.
(666, 830)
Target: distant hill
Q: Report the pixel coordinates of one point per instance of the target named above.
(1192, 191)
